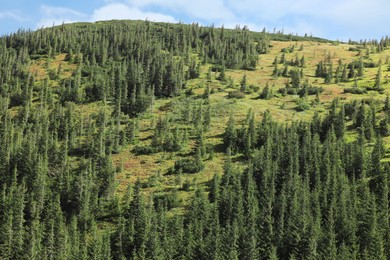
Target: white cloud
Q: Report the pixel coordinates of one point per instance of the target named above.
(209, 10)
(59, 11)
(122, 11)
(54, 15)
(256, 14)
(11, 15)
(321, 17)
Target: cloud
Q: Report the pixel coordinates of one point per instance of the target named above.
(60, 11)
(123, 11)
(331, 18)
(208, 10)
(11, 15)
(255, 14)
(54, 15)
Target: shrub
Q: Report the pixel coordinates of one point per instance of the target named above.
(153, 181)
(358, 91)
(53, 74)
(283, 91)
(166, 107)
(140, 105)
(302, 104)
(187, 166)
(370, 64)
(236, 94)
(380, 90)
(288, 91)
(216, 68)
(353, 49)
(186, 185)
(310, 91)
(189, 92)
(266, 93)
(145, 150)
(254, 88)
(169, 200)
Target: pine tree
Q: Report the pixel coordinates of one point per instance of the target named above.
(207, 117)
(136, 225)
(198, 159)
(378, 77)
(303, 62)
(320, 70)
(283, 58)
(249, 236)
(244, 84)
(344, 76)
(386, 107)
(222, 75)
(360, 71)
(214, 194)
(230, 135)
(329, 75)
(275, 72)
(276, 61)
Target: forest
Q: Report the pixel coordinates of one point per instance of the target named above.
(143, 140)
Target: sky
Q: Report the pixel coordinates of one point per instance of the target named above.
(331, 19)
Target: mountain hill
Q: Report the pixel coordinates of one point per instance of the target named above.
(135, 139)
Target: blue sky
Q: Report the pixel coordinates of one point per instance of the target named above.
(332, 19)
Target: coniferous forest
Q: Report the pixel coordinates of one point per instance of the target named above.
(143, 140)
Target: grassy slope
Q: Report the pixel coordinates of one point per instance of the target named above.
(282, 108)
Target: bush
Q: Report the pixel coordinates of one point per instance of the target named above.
(302, 104)
(314, 90)
(358, 91)
(17, 99)
(254, 88)
(353, 49)
(266, 93)
(380, 90)
(53, 74)
(145, 150)
(153, 181)
(370, 64)
(283, 91)
(140, 105)
(216, 68)
(187, 166)
(236, 94)
(189, 92)
(288, 91)
(166, 107)
(310, 91)
(169, 200)
(186, 185)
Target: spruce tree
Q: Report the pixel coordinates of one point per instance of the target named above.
(378, 77)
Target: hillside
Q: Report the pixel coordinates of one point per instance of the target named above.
(133, 139)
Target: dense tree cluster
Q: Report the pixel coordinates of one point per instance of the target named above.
(311, 193)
